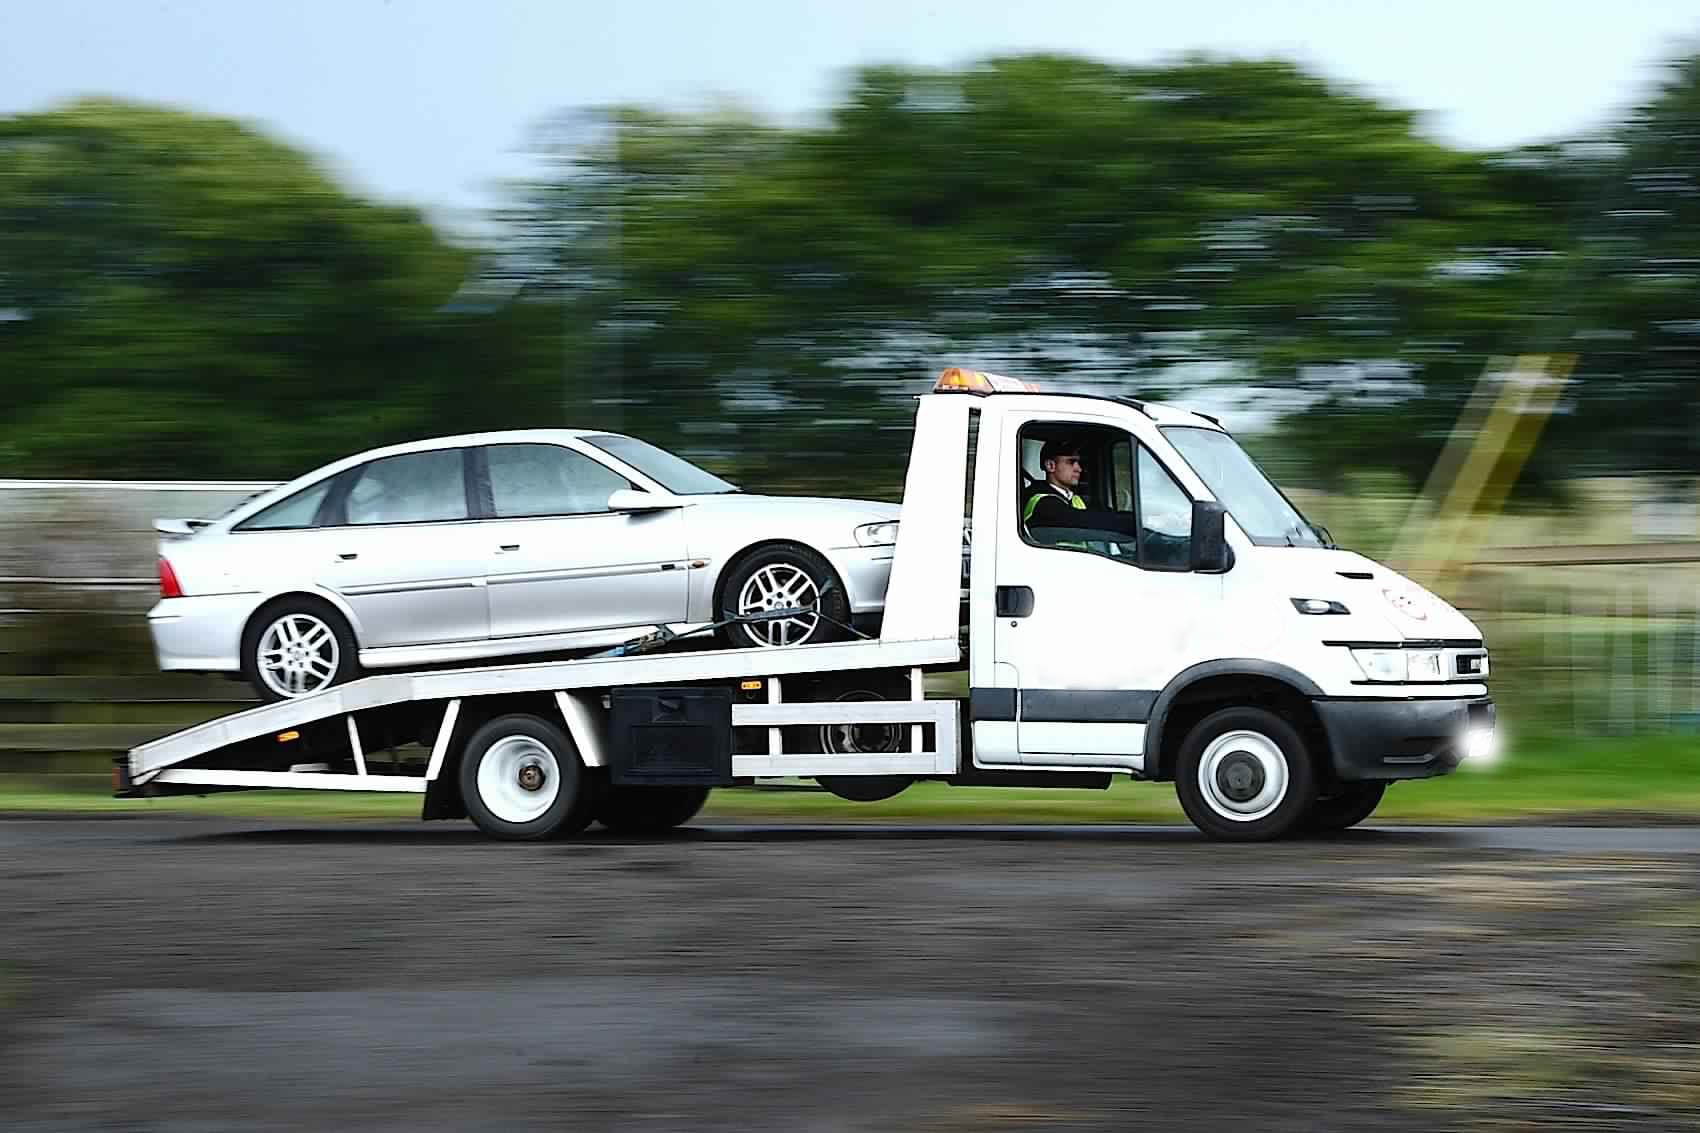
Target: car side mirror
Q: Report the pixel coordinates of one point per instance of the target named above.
(1210, 551)
(629, 499)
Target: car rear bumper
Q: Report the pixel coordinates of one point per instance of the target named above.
(200, 634)
(1402, 739)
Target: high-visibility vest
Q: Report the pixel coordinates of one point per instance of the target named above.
(1033, 502)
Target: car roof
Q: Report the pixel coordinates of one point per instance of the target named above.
(467, 440)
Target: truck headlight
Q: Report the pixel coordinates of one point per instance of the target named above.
(1424, 665)
(1382, 664)
(882, 534)
(1401, 664)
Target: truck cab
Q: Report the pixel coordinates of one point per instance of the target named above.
(1182, 620)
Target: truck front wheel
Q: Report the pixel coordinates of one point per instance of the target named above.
(1244, 775)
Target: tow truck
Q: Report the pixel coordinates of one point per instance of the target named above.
(1184, 624)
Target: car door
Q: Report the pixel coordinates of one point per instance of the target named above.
(400, 548)
(559, 561)
(1102, 617)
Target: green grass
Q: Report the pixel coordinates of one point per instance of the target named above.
(1552, 778)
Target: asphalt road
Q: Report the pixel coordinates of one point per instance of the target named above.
(198, 974)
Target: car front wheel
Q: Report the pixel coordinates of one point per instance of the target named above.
(787, 577)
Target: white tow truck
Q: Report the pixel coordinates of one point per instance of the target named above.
(1182, 623)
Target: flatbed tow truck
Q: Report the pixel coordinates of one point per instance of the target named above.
(1188, 625)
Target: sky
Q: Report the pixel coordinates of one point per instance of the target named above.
(430, 101)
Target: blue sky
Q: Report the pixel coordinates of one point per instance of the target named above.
(429, 101)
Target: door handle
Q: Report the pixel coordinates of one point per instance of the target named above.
(1014, 601)
(510, 546)
(349, 557)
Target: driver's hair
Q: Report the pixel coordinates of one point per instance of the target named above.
(1059, 446)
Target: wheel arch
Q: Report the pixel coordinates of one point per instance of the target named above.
(1201, 689)
(739, 557)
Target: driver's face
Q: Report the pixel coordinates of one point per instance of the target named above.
(1064, 470)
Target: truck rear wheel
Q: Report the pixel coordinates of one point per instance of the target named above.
(521, 779)
(867, 739)
(1244, 775)
(649, 810)
(1344, 806)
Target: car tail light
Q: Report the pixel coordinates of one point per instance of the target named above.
(169, 587)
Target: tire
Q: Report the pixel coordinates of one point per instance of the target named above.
(271, 663)
(521, 780)
(1244, 775)
(787, 574)
(1346, 805)
(649, 810)
(868, 739)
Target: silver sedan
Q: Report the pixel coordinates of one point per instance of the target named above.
(501, 544)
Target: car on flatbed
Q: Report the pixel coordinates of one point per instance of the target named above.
(460, 549)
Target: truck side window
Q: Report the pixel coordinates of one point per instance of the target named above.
(1165, 518)
(1097, 514)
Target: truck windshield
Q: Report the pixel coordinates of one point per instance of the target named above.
(1254, 501)
(674, 473)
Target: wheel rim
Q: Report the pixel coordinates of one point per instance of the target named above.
(298, 654)
(1243, 775)
(779, 586)
(861, 739)
(518, 779)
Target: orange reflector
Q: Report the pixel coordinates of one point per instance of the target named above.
(285, 737)
(958, 380)
(749, 686)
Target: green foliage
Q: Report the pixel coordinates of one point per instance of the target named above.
(189, 298)
(182, 296)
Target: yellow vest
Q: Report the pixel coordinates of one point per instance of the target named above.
(1033, 501)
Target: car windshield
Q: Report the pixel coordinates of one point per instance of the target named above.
(674, 473)
(1241, 487)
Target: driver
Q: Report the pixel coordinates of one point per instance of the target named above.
(1057, 503)
(1051, 501)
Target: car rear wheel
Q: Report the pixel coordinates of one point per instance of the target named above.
(297, 647)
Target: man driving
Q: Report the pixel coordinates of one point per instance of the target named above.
(1049, 504)
(1057, 504)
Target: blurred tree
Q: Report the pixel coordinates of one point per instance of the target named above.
(1148, 229)
(1634, 312)
(180, 296)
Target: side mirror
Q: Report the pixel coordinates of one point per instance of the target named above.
(1210, 551)
(628, 499)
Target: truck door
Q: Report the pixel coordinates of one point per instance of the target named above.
(1096, 616)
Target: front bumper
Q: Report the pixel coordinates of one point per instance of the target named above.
(1401, 739)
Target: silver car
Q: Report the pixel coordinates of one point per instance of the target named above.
(500, 544)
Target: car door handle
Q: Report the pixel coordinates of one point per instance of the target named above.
(510, 547)
(1014, 601)
(349, 557)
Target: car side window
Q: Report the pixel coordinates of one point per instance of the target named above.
(1165, 518)
(416, 487)
(543, 480)
(292, 514)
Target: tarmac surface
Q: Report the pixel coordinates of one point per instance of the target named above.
(187, 973)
